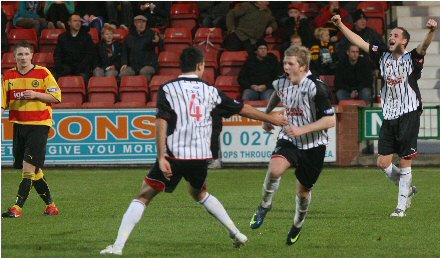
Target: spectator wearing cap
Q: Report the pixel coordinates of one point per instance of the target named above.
(247, 24)
(360, 27)
(258, 72)
(138, 52)
(298, 24)
(325, 15)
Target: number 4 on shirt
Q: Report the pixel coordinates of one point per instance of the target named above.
(194, 110)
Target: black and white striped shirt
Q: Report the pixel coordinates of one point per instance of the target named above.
(304, 104)
(186, 103)
(400, 93)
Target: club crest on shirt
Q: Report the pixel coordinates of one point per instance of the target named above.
(374, 48)
(35, 83)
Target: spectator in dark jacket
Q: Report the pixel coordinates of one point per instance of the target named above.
(213, 13)
(120, 13)
(354, 78)
(297, 23)
(108, 60)
(74, 51)
(257, 74)
(157, 12)
(4, 33)
(138, 52)
(360, 22)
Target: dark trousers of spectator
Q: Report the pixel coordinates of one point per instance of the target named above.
(57, 12)
(235, 44)
(125, 16)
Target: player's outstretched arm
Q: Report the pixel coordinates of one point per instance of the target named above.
(322, 124)
(273, 102)
(422, 47)
(251, 112)
(350, 35)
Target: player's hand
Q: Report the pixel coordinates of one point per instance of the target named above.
(336, 19)
(165, 167)
(30, 94)
(267, 127)
(294, 131)
(431, 24)
(278, 119)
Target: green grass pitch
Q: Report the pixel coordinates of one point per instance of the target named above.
(348, 217)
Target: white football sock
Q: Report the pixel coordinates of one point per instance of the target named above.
(393, 173)
(270, 186)
(404, 187)
(131, 217)
(216, 209)
(302, 206)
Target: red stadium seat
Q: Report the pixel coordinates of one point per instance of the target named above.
(95, 35)
(209, 37)
(120, 34)
(17, 35)
(276, 53)
(184, 15)
(8, 61)
(373, 9)
(49, 39)
(227, 83)
(177, 39)
(209, 76)
(232, 61)
(376, 24)
(73, 90)
(10, 8)
(256, 103)
(352, 102)
(330, 81)
(158, 80)
(102, 92)
(133, 91)
(44, 59)
(169, 63)
(274, 42)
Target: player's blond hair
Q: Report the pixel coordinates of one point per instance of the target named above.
(301, 53)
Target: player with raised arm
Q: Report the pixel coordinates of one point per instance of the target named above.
(183, 128)
(302, 143)
(401, 104)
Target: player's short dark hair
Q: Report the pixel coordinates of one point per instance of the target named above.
(24, 44)
(189, 59)
(405, 34)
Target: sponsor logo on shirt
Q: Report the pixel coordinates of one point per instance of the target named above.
(329, 111)
(375, 48)
(52, 89)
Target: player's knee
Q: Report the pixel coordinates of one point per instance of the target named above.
(383, 163)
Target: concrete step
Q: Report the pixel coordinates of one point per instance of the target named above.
(428, 83)
(434, 48)
(430, 96)
(432, 60)
(415, 22)
(419, 3)
(431, 72)
(424, 10)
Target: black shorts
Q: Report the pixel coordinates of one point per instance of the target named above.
(29, 144)
(194, 171)
(400, 135)
(308, 163)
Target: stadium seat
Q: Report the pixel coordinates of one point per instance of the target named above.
(120, 34)
(330, 81)
(8, 61)
(274, 42)
(310, 10)
(10, 8)
(17, 35)
(209, 76)
(95, 35)
(158, 80)
(177, 39)
(44, 59)
(227, 83)
(169, 63)
(49, 39)
(373, 9)
(232, 61)
(73, 92)
(256, 103)
(376, 24)
(133, 91)
(184, 15)
(209, 37)
(276, 53)
(102, 92)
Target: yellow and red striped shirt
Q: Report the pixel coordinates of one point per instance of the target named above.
(29, 111)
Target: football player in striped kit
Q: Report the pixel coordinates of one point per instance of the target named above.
(183, 128)
(28, 91)
(301, 144)
(401, 104)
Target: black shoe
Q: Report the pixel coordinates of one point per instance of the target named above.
(258, 217)
(293, 235)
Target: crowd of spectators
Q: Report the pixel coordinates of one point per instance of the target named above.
(245, 25)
